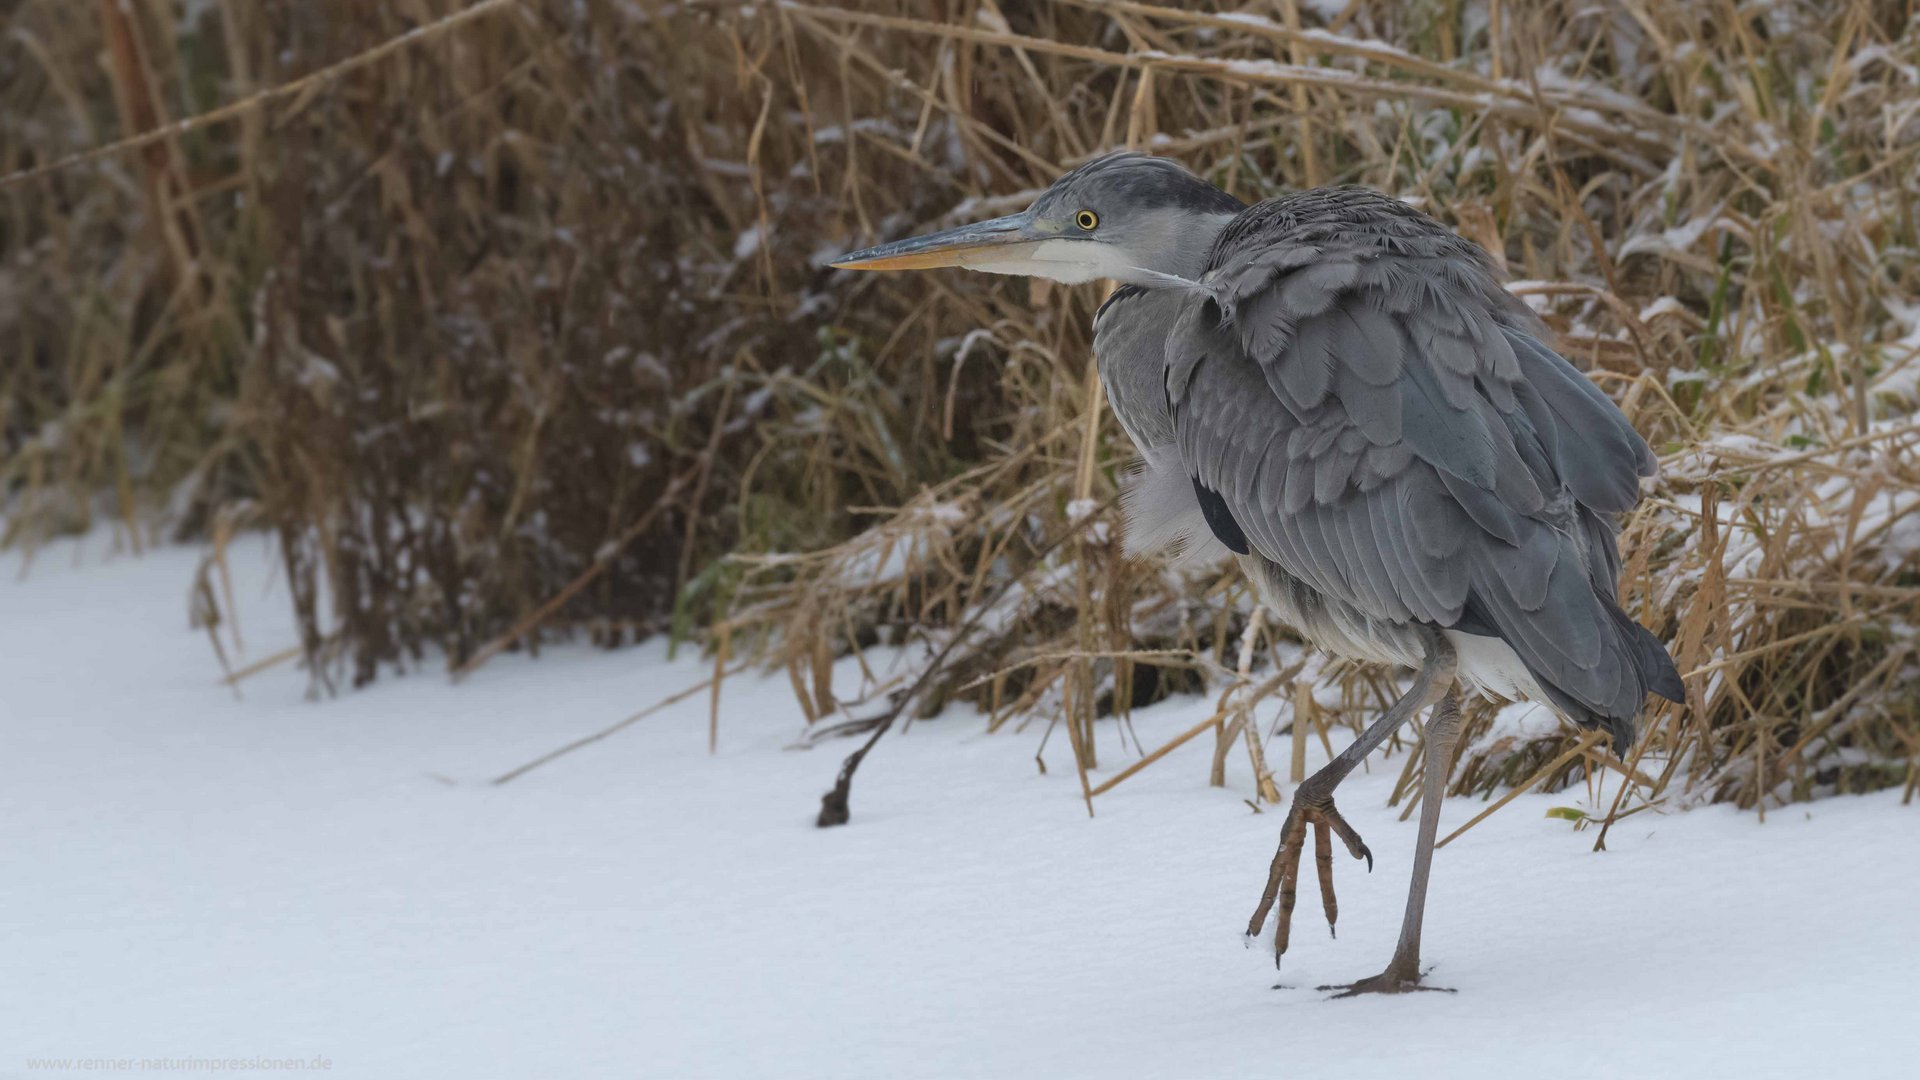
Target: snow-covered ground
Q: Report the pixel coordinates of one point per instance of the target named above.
(188, 874)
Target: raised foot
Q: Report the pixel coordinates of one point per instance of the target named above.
(1387, 982)
(1283, 876)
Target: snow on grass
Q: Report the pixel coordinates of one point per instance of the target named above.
(191, 874)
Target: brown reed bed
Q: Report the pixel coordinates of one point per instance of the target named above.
(519, 327)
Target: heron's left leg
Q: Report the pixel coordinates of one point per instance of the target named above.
(1403, 971)
(1313, 802)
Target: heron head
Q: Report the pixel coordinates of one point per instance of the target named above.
(1125, 216)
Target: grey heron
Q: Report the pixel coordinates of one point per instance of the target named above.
(1337, 389)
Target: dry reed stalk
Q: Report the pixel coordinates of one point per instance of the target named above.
(583, 742)
(301, 89)
(475, 306)
(1583, 745)
(1163, 750)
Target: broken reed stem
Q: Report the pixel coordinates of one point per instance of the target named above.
(1304, 707)
(1194, 660)
(1239, 716)
(721, 654)
(1167, 748)
(1587, 739)
(589, 740)
(259, 666)
(834, 806)
(1630, 778)
(1082, 706)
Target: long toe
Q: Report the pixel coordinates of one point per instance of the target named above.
(1323, 866)
(1387, 982)
(1283, 879)
(1349, 836)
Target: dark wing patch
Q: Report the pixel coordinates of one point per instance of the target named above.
(1220, 519)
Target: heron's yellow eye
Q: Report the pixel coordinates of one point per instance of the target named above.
(1086, 219)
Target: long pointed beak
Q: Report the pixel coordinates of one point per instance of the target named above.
(998, 241)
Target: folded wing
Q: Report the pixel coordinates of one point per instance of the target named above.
(1380, 419)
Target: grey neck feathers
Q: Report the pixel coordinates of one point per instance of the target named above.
(1176, 243)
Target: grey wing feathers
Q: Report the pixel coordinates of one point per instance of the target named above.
(1381, 420)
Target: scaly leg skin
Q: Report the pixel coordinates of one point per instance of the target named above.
(1323, 863)
(1403, 971)
(1313, 802)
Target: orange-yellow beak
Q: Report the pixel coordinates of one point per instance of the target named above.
(988, 244)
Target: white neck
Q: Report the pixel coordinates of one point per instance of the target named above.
(1070, 261)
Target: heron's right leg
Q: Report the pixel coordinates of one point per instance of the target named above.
(1313, 802)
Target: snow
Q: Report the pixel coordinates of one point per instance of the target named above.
(747, 244)
(193, 874)
(882, 557)
(1665, 306)
(1677, 240)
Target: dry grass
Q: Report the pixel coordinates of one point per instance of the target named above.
(522, 328)
(408, 316)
